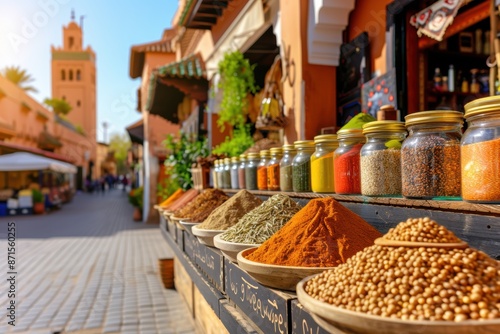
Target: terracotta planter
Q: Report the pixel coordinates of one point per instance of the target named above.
(38, 208)
(137, 214)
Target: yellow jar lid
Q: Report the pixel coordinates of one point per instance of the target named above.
(434, 116)
(289, 147)
(350, 133)
(216, 163)
(227, 160)
(384, 126)
(276, 150)
(235, 159)
(264, 153)
(243, 156)
(490, 104)
(331, 138)
(253, 155)
(304, 143)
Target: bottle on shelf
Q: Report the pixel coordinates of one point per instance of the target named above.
(444, 84)
(486, 44)
(437, 79)
(479, 41)
(474, 85)
(451, 78)
(464, 85)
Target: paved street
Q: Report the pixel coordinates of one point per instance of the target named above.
(88, 268)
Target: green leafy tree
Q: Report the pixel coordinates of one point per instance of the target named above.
(183, 154)
(59, 106)
(19, 77)
(120, 144)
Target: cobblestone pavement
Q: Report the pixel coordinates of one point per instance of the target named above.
(88, 268)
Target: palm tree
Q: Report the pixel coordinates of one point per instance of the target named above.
(19, 77)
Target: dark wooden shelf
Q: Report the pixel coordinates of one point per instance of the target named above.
(443, 205)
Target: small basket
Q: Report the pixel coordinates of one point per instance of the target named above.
(167, 272)
(200, 177)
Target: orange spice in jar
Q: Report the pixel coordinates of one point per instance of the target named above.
(262, 170)
(480, 151)
(273, 169)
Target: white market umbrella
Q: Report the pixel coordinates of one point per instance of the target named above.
(23, 161)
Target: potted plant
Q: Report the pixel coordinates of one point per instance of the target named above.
(135, 198)
(237, 81)
(38, 201)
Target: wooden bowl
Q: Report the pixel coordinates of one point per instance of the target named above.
(231, 249)
(187, 225)
(338, 320)
(205, 237)
(274, 276)
(177, 221)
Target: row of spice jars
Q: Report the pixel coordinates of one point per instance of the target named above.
(433, 161)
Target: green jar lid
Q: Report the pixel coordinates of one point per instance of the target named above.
(384, 126)
(434, 116)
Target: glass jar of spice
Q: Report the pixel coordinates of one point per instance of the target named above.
(430, 155)
(226, 174)
(262, 170)
(241, 172)
(253, 160)
(301, 166)
(286, 180)
(480, 151)
(234, 172)
(380, 158)
(220, 171)
(215, 174)
(273, 169)
(322, 164)
(346, 166)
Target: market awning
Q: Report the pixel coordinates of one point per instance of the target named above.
(202, 14)
(136, 132)
(12, 147)
(137, 52)
(170, 83)
(23, 161)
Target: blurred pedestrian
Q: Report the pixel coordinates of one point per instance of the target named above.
(125, 182)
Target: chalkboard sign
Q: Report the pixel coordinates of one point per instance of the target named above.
(303, 322)
(268, 309)
(211, 262)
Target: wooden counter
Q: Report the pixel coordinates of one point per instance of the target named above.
(234, 302)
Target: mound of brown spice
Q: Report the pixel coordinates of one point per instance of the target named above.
(414, 283)
(185, 198)
(323, 234)
(231, 211)
(202, 206)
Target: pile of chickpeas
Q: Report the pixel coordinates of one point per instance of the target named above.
(421, 230)
(414, 283)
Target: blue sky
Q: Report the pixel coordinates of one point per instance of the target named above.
(110, 27)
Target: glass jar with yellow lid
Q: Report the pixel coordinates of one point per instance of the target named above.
(346, 166)
(262, 170)
(241, 171)
(273, 169)
(301, 166)
(480, 151)
(234, 172)
(322, 180)
(286, 175)
(252, 162)
(380, 158)
(215, 174)
(226, 173)
(430, 155)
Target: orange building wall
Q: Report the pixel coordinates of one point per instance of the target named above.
(320, 88)
(370, 16)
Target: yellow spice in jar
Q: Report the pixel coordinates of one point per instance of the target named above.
(322, 174)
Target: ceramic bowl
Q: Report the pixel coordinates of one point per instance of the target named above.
(231, 249)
